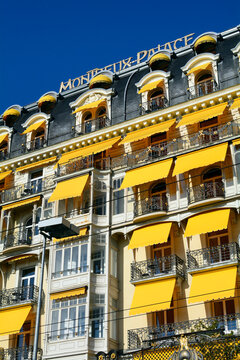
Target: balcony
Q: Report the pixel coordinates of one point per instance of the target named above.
(90, 126)
(154, 104)
(143, 337)
(158, 268)
(151, 207)
(34, 144)
(83, 163)
(21, 239)
(24, 353)
(19, 295)
(213, 256)
(203, 88)
(207, 192)
(30, 188)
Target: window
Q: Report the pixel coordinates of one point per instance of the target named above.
(113, 319)
(213, 184)
(47, 209)
(27, 283)
(165, 321)
(36, 179)
(38, 139)
(23, 341)
(204, 84)
(100, 205)
(219, 249)
(162, 257)
(159, 145)
(70, 260)
(3, 150)
(114, 262)
(156, 100)
(225, 309)
(96, 320)
(98, 261)
(237, 162)
(209, 130)
(68, 318)
(158, 198)
(27, 236)
(118, 197)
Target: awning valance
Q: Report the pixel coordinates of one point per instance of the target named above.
(5, 174)
(202, 115)
(207, 222)
(200, 158)
(150, 235)
(213, 285)
(82, 232)
(235, 104)
(204, 39)
(46, 98)
(98, 79)
(21, 203)
(11, 320)
(68, 294)
(148, 131)
(152, 85)
(10, 112)
(152, 296)
(34, 127)
(90, 106)
(69, 188)
(37, 164)
(196, 69)
(3, 138)
(88, 150)
(148, 173)
(159, 57)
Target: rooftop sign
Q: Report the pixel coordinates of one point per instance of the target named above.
(126, 63)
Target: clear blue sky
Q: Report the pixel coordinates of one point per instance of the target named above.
(46, 42)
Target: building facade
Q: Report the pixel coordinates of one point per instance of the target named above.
(146, 163)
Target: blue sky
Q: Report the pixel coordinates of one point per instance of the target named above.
(46, 42)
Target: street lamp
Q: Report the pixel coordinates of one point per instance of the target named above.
(57, 227)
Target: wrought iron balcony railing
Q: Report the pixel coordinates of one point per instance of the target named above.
(89, 126)
(208, 190)
(147, 206)
(17, 239)
(34, 144)
(154, 104)
(83, 163)
(202, 258)
(203, 88)
(19, 295)
(20, 353)
(143, 337)
(29, 188)
(167, 265)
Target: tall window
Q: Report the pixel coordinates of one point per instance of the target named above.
(114, 262)
(27, 283)
(38, 139)
(87, 121)
(70, 259)
(213, 184)
(97, 320)
(23, 341)
(218, 243)
(113, 319)
(36, 179)
(158, 201)
(47, 208)
(118, 197)
(225, 309)
(68, 318)
(156, 100)
(204, 84)
(165, 321)
(98, 261)
(3, 150)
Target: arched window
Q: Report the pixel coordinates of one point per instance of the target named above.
(156, 100)
(158, 197)
(101, 118)
(213, 184)
(204, 83)
(28, 232)
(38, 138)
(87, 121)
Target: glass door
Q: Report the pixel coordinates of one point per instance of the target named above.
(27, 283)
(23, 341)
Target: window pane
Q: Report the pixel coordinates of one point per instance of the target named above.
(118, 202)
(58, 263)
(54, 329)
(113, 325)
(75, 259)
(72, 322)
(67, 262)
(114, 262)
(64, 324)
(83, 265)
(81, 321)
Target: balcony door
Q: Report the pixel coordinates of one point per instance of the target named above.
(36, 178)
(164, 322)
(158, 197)
(161, 255)
(219, 249)
(208, 130)
(213, 184)
(27, 283)
(23, 341)
(225, 309)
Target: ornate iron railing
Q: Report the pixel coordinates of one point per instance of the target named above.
(34, 144)
(23, 237)
(19, 295)
(167, 265)
(203, 88)
(202, 258)
(29, 188)
(83, 163)
(143, 337)
(20, 353)
(147, 206)
(88, 126)
(154, 104)
(208, 190)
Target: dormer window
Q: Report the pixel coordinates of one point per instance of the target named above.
(38, 139)
(160, 61)
(103, 80)
(204, 84)
(36, 131)
(11, 115)
(156, 100)
(4, 150)
(47, 102)
(205, 44)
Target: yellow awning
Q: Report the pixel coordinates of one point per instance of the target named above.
(204, 39)
(148, 131)
(46, 98)
(100, 79)
(196, 69)
(3, 138)
(236, 142)
(37, 164)
(20, 258)
(150, 235)
(34, 127)
(152, 85)
(5, 174)
(235, 104)
(148, 173)
(200, 158)
(213, 284)
(207, 222)
(159, 57)
(82, 232)
(21, 203)
(88, 150)
(202, 115)
(10, 112)
(11, 320)
(89, 106)
(67, 294)
(69, 188)
(152, 296)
